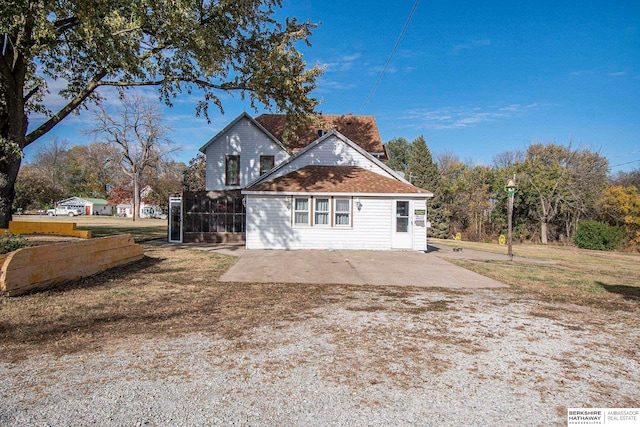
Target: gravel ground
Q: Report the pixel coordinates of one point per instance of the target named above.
(374, 357)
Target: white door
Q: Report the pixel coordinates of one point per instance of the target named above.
(402, 233)
(175, 219)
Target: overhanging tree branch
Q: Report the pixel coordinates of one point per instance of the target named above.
(66, 110)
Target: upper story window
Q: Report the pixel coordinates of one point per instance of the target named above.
(232, 170)
(266, 164)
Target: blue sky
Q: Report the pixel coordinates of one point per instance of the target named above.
(474, 78)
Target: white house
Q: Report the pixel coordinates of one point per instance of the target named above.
(324, 187)
(147, 210)
(334, 195)
(88, 205)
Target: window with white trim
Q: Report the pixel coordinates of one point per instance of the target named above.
(301, 211)
(321, 212)
(342, 212)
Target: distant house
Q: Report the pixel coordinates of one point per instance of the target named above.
(325, 187)
(88, 205)
(147, 210)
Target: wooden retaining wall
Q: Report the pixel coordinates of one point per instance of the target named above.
(58, 228)
(44, 266)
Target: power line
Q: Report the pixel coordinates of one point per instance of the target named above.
(626, 163)
(625, 154)
(404, 29)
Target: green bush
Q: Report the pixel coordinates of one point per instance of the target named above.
(597, 235)
(11, 242)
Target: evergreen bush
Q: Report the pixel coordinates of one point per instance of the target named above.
(597, 235)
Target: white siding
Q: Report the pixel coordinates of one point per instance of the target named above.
(249, 142)
(330, 152)
(269, 226)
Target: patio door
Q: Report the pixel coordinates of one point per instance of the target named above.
(402, 234)
(175, 219)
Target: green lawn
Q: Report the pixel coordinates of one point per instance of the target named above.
(594, 277)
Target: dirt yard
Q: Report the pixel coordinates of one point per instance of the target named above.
(162, 342)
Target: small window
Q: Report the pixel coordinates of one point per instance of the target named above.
(266, 164)
(342, 212)
(402, 217)
(232, 170)
(321, 213)
(301, 211)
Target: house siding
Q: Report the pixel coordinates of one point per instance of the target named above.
(269, 226)
(249, 142)
(330, 152)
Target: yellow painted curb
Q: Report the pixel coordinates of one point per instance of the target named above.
(57, 228)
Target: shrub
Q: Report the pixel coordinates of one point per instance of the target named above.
(11, 242)
(597, 235)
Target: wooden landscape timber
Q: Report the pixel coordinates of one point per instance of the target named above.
(57, 228)
(40, 267)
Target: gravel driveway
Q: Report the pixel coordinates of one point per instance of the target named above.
(372, 356)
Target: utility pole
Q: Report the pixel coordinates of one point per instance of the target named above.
(511, 191)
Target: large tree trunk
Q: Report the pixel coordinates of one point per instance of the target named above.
(544, 218)
(136, 198)
(8, 174)
(543, 231)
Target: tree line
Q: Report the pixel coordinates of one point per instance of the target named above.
(559, 189)
(131, 152)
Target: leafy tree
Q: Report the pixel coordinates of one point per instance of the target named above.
(194, 176)
(560, 183)
(51, 160)
(137, 131)
(166, 179)
(621, 206)
(398, 150)
(34, 190)
(211, 47)
(475, 197)
(451, 210)
(93, 169)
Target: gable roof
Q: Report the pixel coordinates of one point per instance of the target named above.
(336, 179)
(243, 115)
(319, 141)
(363, 130)
(91, 200)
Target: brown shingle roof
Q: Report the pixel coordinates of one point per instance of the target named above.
(336, 179)
(363, 130)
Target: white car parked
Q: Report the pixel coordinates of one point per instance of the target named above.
(63, 210)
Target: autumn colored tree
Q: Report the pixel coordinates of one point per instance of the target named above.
(207, 47)
(621, 206)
